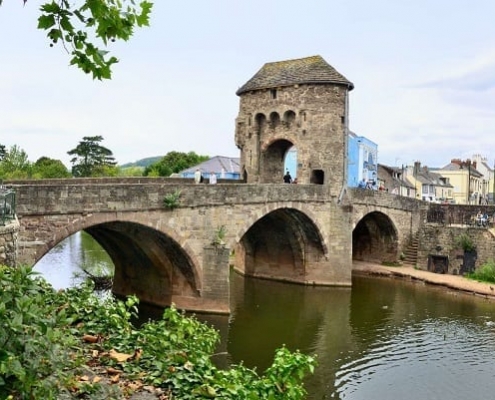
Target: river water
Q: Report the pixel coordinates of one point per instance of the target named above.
(383, 339)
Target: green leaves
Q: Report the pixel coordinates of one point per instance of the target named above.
(43, 351)
(105, 20)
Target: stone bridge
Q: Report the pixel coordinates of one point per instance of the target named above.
(183, 255)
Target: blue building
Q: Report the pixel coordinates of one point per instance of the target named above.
(362, 160)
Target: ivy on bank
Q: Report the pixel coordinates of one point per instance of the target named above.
(71, 344)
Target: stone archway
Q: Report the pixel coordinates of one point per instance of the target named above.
(147, 262)
(272, 161)
(375, 239)
(283, 244)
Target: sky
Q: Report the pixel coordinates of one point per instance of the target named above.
(423, 71)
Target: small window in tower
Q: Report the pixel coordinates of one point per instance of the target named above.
(317, 177)
(342, 119)
(273, 93)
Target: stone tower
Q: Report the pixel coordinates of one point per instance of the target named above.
(301, 103)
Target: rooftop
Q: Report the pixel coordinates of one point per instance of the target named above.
(309, 70)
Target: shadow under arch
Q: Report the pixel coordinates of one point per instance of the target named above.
(272, 160)
(280, 245)
(375, 239)
(147, 262)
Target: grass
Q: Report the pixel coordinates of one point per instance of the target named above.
(486, 273)
(391, 263)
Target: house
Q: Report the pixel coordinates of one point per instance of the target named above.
(488, 179)
(393, 180)
(222, 167)
(466, 180)
(362, 162)
(430, 185)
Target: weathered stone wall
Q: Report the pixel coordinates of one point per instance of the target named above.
(8, 243)
(312, 117)
(442, 240)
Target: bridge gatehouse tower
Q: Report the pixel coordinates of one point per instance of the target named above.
(301, 103)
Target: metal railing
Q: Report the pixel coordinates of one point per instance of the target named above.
(466, 215)
(7, 204)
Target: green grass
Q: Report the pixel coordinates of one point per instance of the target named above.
(486, 273)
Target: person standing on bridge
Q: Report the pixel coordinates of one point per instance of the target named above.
(287, 177)
(197, 176)
(213, 178)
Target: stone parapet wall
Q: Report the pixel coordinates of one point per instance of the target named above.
(73, 199)
(8, 243)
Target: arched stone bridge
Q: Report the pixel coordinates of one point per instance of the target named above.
(297, 233)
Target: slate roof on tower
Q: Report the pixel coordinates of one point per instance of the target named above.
(309, 70)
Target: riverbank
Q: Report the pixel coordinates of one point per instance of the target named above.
(452, 282)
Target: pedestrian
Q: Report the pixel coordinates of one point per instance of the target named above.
(213, 178)
(362, 184)
(287, 177)
(197, 176)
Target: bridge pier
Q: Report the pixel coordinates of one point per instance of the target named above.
(8, 243)
(155, 286)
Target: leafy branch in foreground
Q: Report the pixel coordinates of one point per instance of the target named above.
(72, 344)
(107, 20)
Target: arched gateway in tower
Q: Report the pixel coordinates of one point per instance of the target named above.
(301, 103)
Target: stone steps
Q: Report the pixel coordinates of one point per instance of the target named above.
(411, 252)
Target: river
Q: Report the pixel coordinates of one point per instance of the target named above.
(382, 339)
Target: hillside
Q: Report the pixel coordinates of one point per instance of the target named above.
(144, 162)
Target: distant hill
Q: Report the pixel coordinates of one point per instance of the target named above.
(144, 162)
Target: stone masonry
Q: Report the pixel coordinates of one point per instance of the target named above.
(302, 103)
(8, 243)
(295, 233)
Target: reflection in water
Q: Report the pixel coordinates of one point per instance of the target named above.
(382, 339)
(62, 266)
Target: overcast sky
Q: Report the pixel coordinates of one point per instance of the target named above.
(423, 70)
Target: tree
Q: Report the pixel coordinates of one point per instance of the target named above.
(3, 151)
(174, 162)
(46, 167)
(91, 158)
(15, 164)
(76, 24)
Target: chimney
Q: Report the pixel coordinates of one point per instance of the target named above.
(417, 167)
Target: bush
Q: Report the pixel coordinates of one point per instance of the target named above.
(62, 344)
(485, 273)
(465, 242)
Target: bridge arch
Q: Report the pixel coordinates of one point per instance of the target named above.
(375, 238)
(153, 264)
(283, 243)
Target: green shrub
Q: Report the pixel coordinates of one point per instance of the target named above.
(465, 242)
(485, 273)
(50, 339)
(172, 200)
